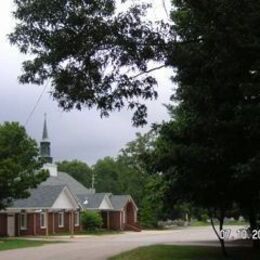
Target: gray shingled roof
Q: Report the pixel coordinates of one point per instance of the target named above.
(119, 201)
(43, 196)
(65, 179)
(48, 191)
(93, 200)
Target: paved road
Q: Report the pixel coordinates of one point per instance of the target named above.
(102, 247)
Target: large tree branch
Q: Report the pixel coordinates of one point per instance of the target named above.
(148, 71)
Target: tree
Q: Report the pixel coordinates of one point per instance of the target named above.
(91, 220)
(152, 204)
(78, 170)
(19, 164)
(106, 176)
(213, 46)
(211, 148)
(86, 49)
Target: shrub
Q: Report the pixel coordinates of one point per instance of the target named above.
(91, 220)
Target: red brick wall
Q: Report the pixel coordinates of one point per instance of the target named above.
(35, 228)
(114, 218)
(30, 225)
(130, 213)
(3, 225)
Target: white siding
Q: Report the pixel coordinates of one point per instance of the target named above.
(65, 201)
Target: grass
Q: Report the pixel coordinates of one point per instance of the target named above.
(229, 223)
(7, 244)
(99, 232)
(167, 252)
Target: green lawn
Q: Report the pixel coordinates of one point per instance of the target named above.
(165, 252)
(6, 244)
(99, 232)
(227, 223)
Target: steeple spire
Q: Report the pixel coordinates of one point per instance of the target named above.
(45, 150)
(45, 130)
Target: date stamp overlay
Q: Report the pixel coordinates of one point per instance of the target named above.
(241, 234)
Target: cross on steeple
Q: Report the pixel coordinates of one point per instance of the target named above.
(45, 150)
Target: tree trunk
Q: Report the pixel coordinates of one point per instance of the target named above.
(221, 240)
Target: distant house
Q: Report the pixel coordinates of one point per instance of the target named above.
(55, 205)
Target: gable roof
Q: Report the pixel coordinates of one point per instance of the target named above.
(120, 201)
(43, 196)
(65, 179)
(91, 201)
(48, 191)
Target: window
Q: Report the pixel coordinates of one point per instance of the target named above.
(76, 219)
(23, 221)
(61, 219)
(43, 220)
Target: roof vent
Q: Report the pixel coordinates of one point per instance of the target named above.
(85, 202)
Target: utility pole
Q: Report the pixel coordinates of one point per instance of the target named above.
(93, 180)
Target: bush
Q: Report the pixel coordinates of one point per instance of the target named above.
(91, 220)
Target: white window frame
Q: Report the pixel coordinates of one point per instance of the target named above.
(135, 216)
(76, 219)
(124, 216)
(23, 221)
(61, 217)
(43, 218)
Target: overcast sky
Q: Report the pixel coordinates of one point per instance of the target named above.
(74, 135)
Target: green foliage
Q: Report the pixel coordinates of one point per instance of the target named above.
(168, 252)
(19, 164)
(78, 170)
(152, 204)
(91, 220)
(107, 176)
(75, 44)
(129, 174)
(209, 151)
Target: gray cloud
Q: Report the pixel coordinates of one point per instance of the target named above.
(79, 135)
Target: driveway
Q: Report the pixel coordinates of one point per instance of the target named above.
(102, 247)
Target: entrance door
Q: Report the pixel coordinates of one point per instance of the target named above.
(130, 214)
(11, 225)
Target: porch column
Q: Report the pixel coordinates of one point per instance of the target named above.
(72, 224)
(120, 219)
(47, 223)
(108, 220)
(53, 222)
(18, 223)
(34, 224)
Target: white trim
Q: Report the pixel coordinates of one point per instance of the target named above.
(61, 218)
(131, 199)
(43, 216)
(76, 218)
(124, 216)
(106, 204)
(23, 221)
(65, 200)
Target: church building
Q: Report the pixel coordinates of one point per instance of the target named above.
(56, 204)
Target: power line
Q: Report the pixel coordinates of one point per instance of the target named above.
(165, 8)
(37, 103)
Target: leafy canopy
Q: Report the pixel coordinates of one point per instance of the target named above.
(89, 51)
(19, 164)
(78, 170)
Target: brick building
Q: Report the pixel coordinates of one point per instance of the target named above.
(55, 205)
